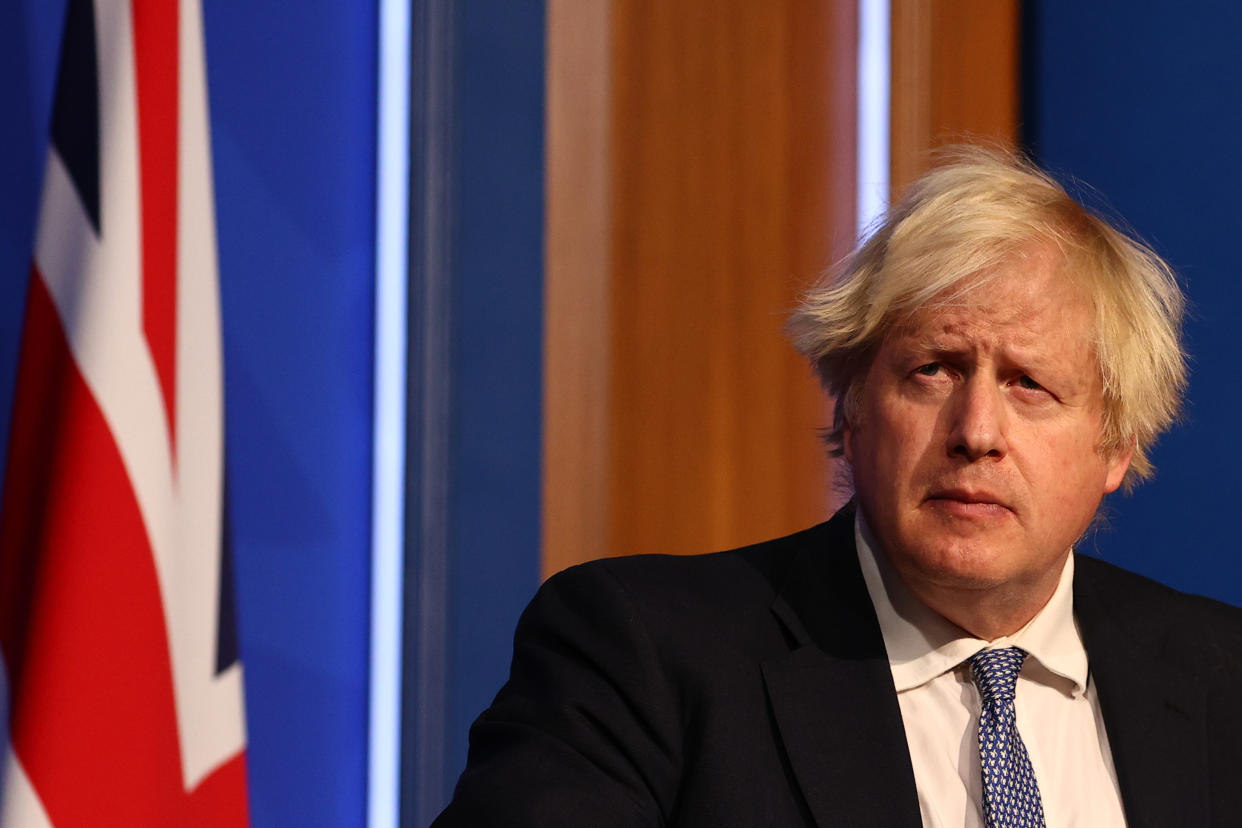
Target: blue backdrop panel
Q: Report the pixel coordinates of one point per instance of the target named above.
(293, 131)
(497, 348)
(1144, 102)
(292, 101)
(475, 395)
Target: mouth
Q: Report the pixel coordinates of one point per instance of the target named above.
(977, 504)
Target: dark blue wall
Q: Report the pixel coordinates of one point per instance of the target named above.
(498, 241)
(487, 566)
(1143, 101)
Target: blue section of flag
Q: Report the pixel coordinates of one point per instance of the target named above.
(77, 105)
(226, 597)
(30, 33)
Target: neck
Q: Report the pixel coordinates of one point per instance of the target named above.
(986, 612)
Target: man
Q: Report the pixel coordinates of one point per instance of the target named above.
(935, 654)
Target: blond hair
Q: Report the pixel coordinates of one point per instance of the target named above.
(954, 227)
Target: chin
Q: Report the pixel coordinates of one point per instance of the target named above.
(963, 563)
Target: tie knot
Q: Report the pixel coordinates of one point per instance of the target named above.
(996, 672)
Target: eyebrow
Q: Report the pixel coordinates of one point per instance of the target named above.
(938, 343)
(949, 344)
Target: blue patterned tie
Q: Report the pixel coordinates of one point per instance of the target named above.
(1010, 793)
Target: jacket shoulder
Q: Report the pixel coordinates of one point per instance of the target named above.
(613, 660)
(768, 561)
(1201, 626)
(736, 581)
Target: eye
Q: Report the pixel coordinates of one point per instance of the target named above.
(1028, 383)
(928, 370)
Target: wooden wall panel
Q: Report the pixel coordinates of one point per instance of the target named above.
(576, 275)
(955, 77)
(729, 185)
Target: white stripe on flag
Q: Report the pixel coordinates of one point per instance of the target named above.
(210, 710)
(20, 805)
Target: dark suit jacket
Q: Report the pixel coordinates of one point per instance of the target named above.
(751, 688)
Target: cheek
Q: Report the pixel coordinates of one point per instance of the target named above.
(1069, 468)
(890, 437)
(899, 440)
(907, 424)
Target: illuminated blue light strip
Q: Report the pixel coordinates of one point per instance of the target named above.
(874, 87)
(388, 496)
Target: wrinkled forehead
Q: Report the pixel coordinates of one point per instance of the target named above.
(1033, 293)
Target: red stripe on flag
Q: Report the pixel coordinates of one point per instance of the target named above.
(156, 59)
(81, 620)
(220, 800)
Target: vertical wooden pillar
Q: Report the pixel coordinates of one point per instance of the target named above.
(955, 77)
(577, 275)
(700, 174)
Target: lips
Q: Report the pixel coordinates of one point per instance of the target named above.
(972, 503)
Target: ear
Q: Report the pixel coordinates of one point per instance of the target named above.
(1118, 465)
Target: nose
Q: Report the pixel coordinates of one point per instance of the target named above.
(979, 417)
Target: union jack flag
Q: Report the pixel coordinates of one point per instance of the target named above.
(125, 702)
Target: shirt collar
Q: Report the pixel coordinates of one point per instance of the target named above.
(922, 644)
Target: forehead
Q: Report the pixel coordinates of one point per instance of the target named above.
(1026, 306)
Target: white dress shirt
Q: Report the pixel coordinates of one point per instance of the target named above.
(1057, 707)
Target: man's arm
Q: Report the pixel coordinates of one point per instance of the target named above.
(587, 729)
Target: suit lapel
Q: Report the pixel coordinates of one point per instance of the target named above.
(1154, 709)
(833, 697)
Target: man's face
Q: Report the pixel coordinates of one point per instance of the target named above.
(974, 443)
